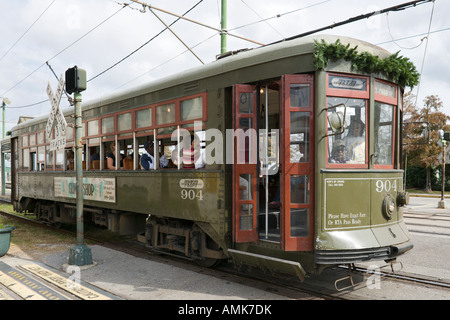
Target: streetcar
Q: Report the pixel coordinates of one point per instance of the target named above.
(301, 164)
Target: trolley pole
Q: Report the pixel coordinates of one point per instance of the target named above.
(80, 254)
(441, 203)
(443, 137)
(223, 34)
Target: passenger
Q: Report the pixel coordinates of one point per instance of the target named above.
(338, 154)
(147, 160)
(355, 141)
(70, 160)
(111, 158)
(193, 156)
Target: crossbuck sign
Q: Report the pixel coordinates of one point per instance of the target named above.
(56, 114)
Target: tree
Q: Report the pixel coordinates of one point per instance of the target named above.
(420, 133)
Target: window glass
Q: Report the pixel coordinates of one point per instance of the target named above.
(299, 189)
(143, 118)
(245, 210)
(108, 125)
(49, 160)
(69, 133)
(60, 158)
(25, 141)
(41, 154)
(246, 102)
(191, 109)
(385, 89)
(384, 133)
(93, 128)
(26, 159)
(32, 139)
(165, 114)
(299, 222)
(40, 138)
(124, 121)
(299, 137)
(299, 95)
(348, 146)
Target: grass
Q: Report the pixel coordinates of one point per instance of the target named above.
(36, 241)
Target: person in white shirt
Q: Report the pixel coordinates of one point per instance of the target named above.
(147, 159)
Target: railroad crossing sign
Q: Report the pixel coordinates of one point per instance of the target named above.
(56, 114)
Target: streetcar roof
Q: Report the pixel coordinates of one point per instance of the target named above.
(245, 58)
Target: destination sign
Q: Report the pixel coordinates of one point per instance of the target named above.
(338, 82)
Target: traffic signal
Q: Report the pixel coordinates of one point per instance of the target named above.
(447, 136)
(75, 80)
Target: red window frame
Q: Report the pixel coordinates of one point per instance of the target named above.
(352, 94)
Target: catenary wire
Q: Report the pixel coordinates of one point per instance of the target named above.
(60, 52)
(26, 31)
(143, 45)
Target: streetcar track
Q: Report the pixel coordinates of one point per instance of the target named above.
(274, 284)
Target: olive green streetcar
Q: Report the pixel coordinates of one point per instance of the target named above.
(286, 186)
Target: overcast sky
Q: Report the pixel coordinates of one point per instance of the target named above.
(96, 34)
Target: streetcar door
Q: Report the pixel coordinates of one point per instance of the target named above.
(244, 163)
(297, 161)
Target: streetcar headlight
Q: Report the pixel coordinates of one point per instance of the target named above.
(388, 207)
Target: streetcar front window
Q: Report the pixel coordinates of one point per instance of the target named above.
(384, 133)
(349, 145)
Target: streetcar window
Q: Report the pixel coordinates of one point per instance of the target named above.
(93, 128)
(26, 159)
(348, 146)
(49, 160)
(245, 102)
(25, 141)
(299, 95)
(299, 222)
(299, 149)
(69, 133)
(33, 161)
(165, 114)
(40, 138)
(384, 133)
(191, 109)
(124, 121)
(41, 157)
(108, 125)
(143, 118)
(32, 139)
(60, 158)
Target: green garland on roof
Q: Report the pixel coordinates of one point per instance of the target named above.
(400, 69)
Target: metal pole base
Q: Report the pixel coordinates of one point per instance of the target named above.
(80, 255)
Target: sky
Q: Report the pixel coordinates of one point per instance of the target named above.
(120, 46)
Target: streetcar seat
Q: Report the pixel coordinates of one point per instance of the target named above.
(128, 164)
(95, 164)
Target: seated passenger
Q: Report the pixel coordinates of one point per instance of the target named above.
(147, 160)
(338, 153)
(111, 158)
(193, 155)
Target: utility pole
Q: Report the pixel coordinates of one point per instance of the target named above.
(224, 31)
(79, 255)
(441, 204)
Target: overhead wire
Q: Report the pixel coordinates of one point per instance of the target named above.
(264, 20)
(26, 31)
(61, 51)
(143, 45)
(425, 52)
(280, 15)
(180, 17)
